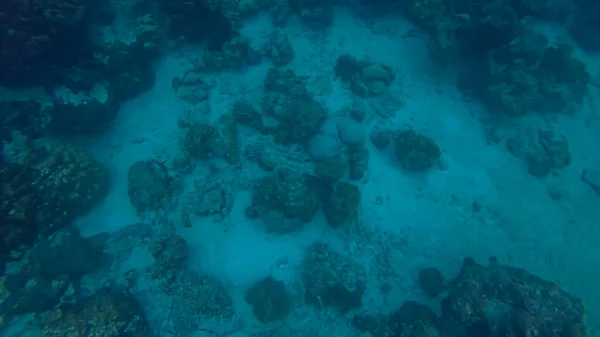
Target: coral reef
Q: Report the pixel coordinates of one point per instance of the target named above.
(269, 299)
(381, 139)
(295, 195)
(50, 187)
(23, 294)
(200, 295)
(523, 304)
(332, 280)
(203, 141)
(286, 99)
(245, 113)
(36, 36)
(170, 253)
(102, 314)
(584, 25)
(235, 54)
(279, 49)
(313, 13)
(341, 205)
(46, 276)
(198, 21)
(431, 281)
(416, 152)
(528, 75)
(150, 185)
(542, 150)
(359, 162)
(365, 78)
(320, 252)
(331, 169)
(487, 301)
(66, 253)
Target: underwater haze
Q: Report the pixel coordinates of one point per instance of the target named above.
(300, 168)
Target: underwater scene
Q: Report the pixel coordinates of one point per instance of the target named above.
(300, 168)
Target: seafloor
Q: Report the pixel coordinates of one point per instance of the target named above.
(478, 200)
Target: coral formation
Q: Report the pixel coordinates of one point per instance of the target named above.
(431, 281)
(37, 36)
(365, 78)
(341, 205)
(170, 253)
(528, 75)
(102, 314)
(150, 185)
(23, 294)
(286, 99)
(332, 280)
(203, 141)
(416, 152)
(313, 13)
(279, 49)
(487, 301)
(66, 253)
(201, 295)
(235, 54)
(52, 186)
(269, 299)
(294, 194)
(327, 246)
(331, 169)
(359, 162)
(542, 151)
